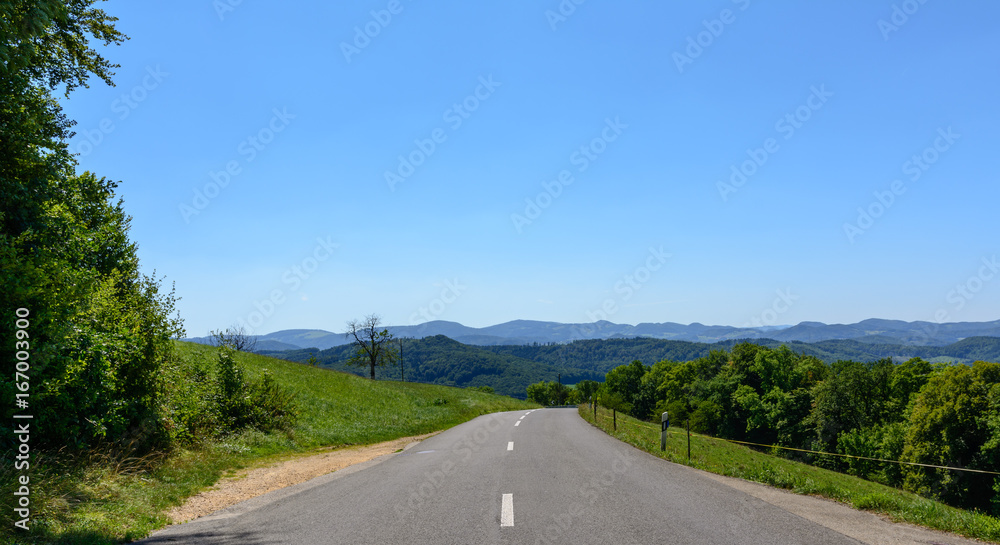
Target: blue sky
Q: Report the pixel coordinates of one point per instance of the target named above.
(729, 162)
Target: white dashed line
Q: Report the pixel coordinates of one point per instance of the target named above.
(510, 445)
(522, 418)
(507, 510)
(518, 423)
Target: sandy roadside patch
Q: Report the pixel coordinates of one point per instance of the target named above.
(253, 482)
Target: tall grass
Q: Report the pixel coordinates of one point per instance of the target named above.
(110, 495)
(724, 458)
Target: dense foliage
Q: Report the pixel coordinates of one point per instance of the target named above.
(98, 329)
(553, 393)
(918, 412)
(240, 402)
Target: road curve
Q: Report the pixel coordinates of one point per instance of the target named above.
(524, 477)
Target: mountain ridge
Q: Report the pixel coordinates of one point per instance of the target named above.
(522, 332)
(509, 369)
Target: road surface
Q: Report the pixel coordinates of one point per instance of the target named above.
(524, 477)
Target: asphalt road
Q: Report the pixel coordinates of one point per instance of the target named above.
(524, 477)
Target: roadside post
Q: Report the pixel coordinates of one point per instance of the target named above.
(664, 424)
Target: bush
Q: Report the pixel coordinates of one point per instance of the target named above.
(98, 329)
(274, 407)
(189, 411)
(260, 404)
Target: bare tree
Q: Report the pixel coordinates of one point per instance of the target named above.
(373, 347)
(236, 337)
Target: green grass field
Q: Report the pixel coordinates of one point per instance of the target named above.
(724, 458)
(109, 499)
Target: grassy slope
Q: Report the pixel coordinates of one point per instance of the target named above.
(724, 458)
(109, 500)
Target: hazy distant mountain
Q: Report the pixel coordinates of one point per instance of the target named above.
(509, 369)
(895, 331)
(521, 332)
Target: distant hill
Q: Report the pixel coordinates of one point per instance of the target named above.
(273, 346)
(600, 356)
(509, 369)
(440, 360)
(524, 332)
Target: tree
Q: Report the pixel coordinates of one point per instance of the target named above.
(373, 347)
(548, 393)
(236, 337)
(539, 393)
(612, 400)
(954, 423)
(575, 397)
(854, 395)
(626, 379)
(675, 390)
(99, 329)
(46, 40)
(907, 380)
(587, 389)
(558, 393)
(43, 45)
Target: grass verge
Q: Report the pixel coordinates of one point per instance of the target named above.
(724, 458)
(103, 497)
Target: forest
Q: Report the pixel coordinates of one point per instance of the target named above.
(444, 361)
(510, 368)
(917, 412)
(600, 355)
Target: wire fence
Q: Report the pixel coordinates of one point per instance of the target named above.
(853, 456)
(835, 454)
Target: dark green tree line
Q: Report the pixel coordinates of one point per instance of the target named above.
(947, 415)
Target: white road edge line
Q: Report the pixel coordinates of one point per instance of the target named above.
(507, 510)
(510, 445)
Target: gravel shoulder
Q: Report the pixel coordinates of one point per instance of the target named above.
(866, 527)
(252, 482)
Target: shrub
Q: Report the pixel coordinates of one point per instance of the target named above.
(260, 404)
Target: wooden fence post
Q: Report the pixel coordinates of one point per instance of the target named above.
(688, 425)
